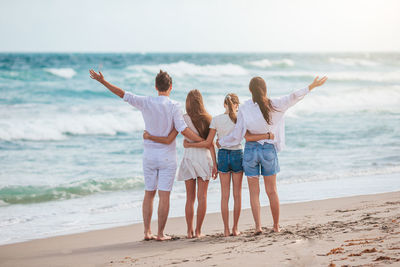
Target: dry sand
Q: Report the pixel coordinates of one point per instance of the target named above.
(349, 231)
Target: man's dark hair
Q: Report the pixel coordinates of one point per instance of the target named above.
(163, 81)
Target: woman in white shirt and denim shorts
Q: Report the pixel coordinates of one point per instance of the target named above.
(261, 115)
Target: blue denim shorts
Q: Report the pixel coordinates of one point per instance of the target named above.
(257, 156)
(230, 160)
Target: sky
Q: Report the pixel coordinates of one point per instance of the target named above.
(199, 26)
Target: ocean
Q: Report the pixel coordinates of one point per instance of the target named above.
(71, 151)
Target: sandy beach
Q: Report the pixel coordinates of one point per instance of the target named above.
(349, 231)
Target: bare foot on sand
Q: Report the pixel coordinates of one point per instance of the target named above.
(235, 232)
(190, 234)
(226, 232)
(163, 238)
(258, 231)
(148, 236)
(198, 234)
(277, 228)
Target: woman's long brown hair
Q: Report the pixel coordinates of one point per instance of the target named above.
(230, 100)
(198, 114)
(258, 89)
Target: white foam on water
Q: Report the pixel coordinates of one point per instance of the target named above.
(266, 63)
(57, 125)
(341, 175)
(392, 76)
(2, 204)
(182, 68)
(352, 62)
(67, 73)
(362, 99)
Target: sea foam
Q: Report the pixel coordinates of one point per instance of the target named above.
(356, 100)
(182, 68)
(266, 63)
(67, 73)
(56, 125)
(352, 62)
(34, 194)
(372, 76)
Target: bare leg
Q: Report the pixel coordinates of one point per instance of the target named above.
(147, 211)
(163, 210)
(225, 180)
(202, 187)
(237, 197)
(189, 207)
(270, 188)
(254, 189)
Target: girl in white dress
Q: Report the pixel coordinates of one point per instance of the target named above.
(198, 164)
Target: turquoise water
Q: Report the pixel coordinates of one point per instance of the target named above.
(70, 151)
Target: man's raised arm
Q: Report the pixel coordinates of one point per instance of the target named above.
(100, 78)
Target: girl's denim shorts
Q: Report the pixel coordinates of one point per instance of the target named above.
(230, 160)
(258, 158)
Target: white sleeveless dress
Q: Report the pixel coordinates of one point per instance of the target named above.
(196, 162)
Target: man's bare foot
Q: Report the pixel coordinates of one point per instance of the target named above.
(226, 232)
(235, 232)
(190, 234)
(277, 228)
(163, 238)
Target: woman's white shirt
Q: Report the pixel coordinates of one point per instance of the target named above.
(250, 119)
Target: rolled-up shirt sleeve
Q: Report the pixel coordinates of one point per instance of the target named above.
(212, 124)
(236, 136)
(179, 121)
(287, 101)
(135, 100)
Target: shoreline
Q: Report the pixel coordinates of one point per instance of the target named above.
(244, 207)
(321, 224)
(289, 193)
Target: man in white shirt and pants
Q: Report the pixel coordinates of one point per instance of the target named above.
(161, 116)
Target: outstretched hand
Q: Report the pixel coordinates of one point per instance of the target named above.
(96, 76)
(317, 82)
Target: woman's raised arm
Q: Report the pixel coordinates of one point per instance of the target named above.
(287, 101)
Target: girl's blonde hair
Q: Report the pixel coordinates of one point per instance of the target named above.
(230, 100)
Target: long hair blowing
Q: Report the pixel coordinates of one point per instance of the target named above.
(258, 89)
(198, 114)
(230, 100)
